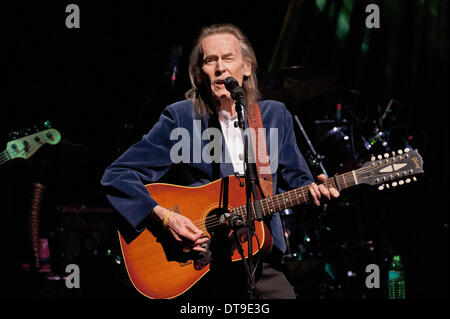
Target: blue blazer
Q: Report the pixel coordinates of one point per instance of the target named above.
(149, 161)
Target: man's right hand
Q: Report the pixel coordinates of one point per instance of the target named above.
(182, 229)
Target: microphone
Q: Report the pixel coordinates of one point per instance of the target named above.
(237, 224)
(233, 221)
(237, 93)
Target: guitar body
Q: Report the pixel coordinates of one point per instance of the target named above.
(156, 265)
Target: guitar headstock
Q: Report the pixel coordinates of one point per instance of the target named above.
(26, 146)
(391, 170)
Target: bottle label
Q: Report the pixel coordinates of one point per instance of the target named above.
(395, 275)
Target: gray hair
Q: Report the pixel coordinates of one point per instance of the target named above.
(199, 94)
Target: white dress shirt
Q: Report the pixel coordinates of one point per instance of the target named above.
(233, 139)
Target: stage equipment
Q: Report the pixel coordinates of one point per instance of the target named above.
(298, 83)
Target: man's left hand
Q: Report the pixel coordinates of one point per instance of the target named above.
(317, 191)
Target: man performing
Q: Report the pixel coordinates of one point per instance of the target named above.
(220, 52)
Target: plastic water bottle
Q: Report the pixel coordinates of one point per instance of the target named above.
(396, 280)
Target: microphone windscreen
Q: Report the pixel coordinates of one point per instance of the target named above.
(231, 83)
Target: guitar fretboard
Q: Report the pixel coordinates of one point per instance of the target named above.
(297, 196)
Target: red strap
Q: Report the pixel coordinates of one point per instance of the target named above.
(258, 138)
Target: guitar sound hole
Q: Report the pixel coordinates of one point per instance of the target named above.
(213, 223)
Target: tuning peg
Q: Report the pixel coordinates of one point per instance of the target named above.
(393, 153)
(406, 150)
(394, 184)
(380, 157)
(386, 155)
(401, 182)
(414, 179)
(373, 158)
(400, 152)
(381, 187)
(408, 180)
(387, 185)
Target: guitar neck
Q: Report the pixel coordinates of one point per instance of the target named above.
(386, 169)
(301, 195)
(298, 196)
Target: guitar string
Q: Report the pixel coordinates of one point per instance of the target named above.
(348, 178)
(216, 221)
(4, 155)
(295, 194)
(4, 158)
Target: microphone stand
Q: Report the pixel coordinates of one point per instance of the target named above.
(317, 158)
(251, 181)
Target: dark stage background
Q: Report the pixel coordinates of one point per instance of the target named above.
(104, 85)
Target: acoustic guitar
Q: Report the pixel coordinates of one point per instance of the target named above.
(159, 268)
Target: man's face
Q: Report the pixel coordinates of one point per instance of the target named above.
(222, 57)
